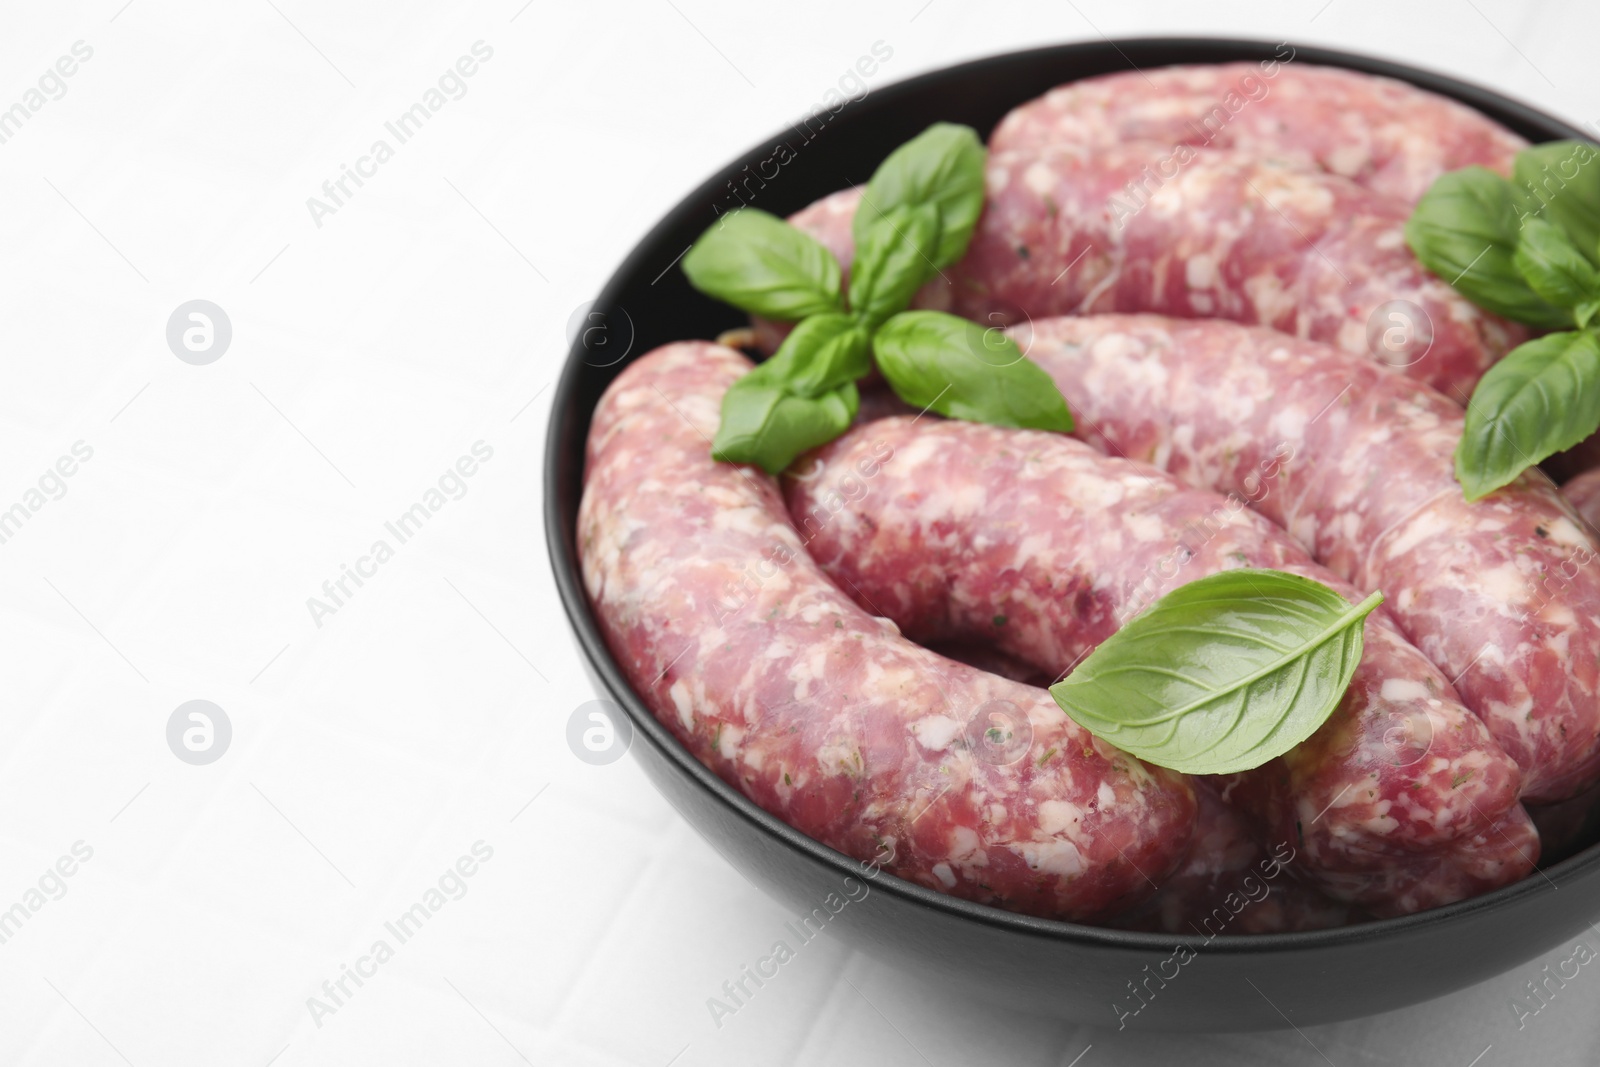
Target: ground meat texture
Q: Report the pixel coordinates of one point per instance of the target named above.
(1204, 234)
(1500, 855)
(1231, 884)
(1583, 493)
(1043, 547)
(1357, 462)
(1215, 234)
(822, 714)
(1386, 135)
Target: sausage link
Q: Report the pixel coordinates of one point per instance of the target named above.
(1357, 462)
(1202, 234)
(1043, 547)
(1386, 135)
(823, 715)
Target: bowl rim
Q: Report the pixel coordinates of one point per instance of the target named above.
(561, 545)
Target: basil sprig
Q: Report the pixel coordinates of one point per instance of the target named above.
(916, 217)
(1527, 249)
(1222, 674)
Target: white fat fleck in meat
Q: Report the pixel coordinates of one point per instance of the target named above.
(1271, 301)
(1348, 159)
(945, 875)
(810, 666)
(1566, 533)
(1201, 271)
(1054, 857)
(839, 750)
(1563, 618)
(1290, 424)
(1182, 439)
(1035, 545)
(1103, 492)
(1352, 336)
(683, 702)
(918, 452)
(936, 732)
(1039, 178)
(1427, 523)
(1379, 825)
(1390, 239)
(1146, 527)
(964, 844)
(1403, 690)
(1504, 583)
(1106, 795)
(1058, 817)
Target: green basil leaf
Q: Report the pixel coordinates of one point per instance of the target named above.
(941, 166)
(762, 423)
(1585, 312)
(1560, 181)
(1464, 229)
(1543, 397)
(894, 261)
(964, 371)
(820, 354)
(1555, 269)
(959, 369)
(1222, 674)
(763, 265)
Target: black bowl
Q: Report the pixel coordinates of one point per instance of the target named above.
(1060, 969)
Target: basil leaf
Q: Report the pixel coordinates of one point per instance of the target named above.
(941, 166)
(758, 262)
(819, 355)
(1560, 181)
(1221, 674)
(1543, 397)
(894, 261)
(762, 423)
(1553, 267)
(959, 369)
(1464, 229)
(1585, 312)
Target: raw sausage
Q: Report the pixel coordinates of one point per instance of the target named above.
(823, 715)
(1231, 884)
(1202, 233)
(1043, 547)
(1386, 135)
(1583, 493)
(1357, 463)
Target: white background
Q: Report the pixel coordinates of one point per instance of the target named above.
(428, 313)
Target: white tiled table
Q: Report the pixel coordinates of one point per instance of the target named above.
(428, 313)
